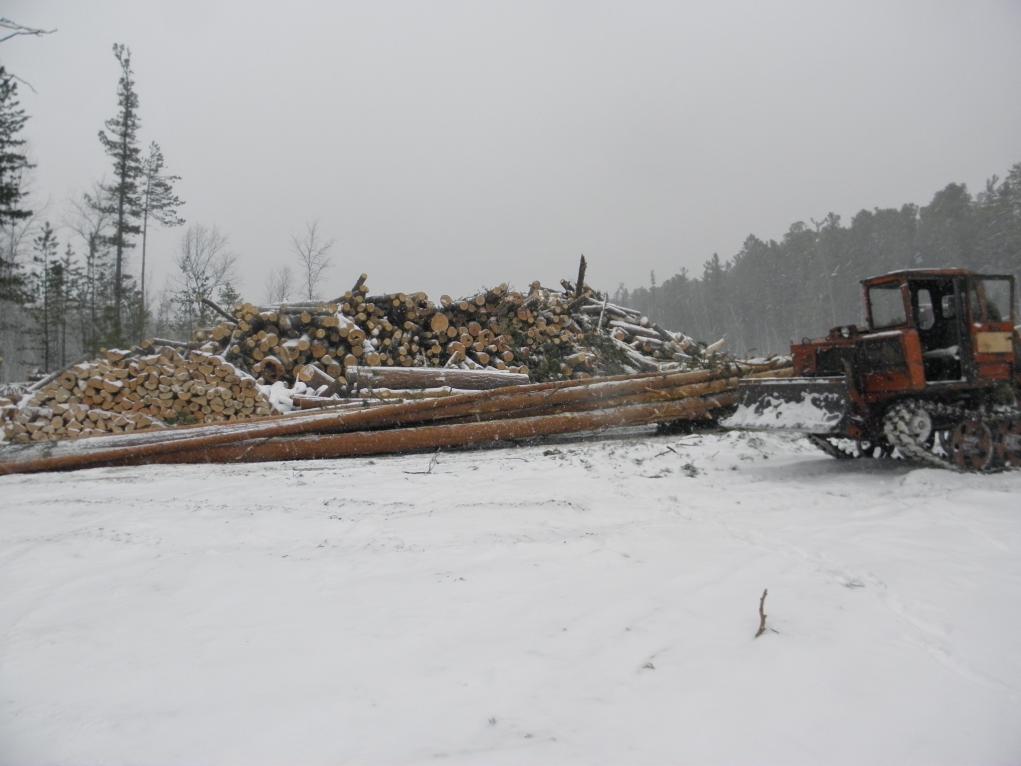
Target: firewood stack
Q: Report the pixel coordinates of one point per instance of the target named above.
(545, 334)
(139, 390)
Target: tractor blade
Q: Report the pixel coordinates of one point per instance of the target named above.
(802, 405)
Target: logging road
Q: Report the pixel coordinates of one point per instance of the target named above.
(561, 603)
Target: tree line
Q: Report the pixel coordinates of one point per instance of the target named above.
(772, 292)
(74, 283)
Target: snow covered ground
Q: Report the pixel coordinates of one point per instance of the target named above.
(566, 603)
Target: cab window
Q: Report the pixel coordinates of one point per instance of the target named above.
(990, 300)
(887, 306)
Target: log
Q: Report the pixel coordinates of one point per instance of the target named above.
(145, 447)
(428, 377)
(316, 378)
(403, 440)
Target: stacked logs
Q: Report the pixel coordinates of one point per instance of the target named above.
(139, 390)
(475, 418)
(545, 334)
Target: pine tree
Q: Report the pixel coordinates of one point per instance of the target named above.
(159, 202)
(13, 164)
(63, 278)
(94, 293)
(122, 198)
(45, 255)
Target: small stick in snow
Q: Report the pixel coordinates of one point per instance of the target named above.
(432, 463)
(762, 613)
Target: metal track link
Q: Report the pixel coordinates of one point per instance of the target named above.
(831, 448)
(910, 426)
(843, 448)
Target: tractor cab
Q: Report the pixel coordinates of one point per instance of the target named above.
(961, 323)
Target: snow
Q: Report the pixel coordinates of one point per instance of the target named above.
(818, 409)
(571, 603)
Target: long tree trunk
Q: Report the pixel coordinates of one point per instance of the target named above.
(145, 234)
(119, 269)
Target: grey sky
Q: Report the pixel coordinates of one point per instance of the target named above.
(450, 145)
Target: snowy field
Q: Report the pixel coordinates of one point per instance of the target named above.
(566, 603)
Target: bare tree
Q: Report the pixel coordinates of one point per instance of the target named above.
(206, 265)
(279, 285)
(312, 251)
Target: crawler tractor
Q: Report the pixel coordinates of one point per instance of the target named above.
(934, 376)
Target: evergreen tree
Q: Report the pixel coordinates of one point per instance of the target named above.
(999, 224)
(13, 164)
(228, 296)
(44, 256)
(771, 293)
(63, 278)
(947, 229)
(122, 197)
(94, 289)
(159, 201)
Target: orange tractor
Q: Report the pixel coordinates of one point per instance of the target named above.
(934, 377)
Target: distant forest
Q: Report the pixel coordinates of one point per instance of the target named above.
(771, 293)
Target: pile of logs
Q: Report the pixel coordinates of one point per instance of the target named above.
(367, 349)
(149, 387)
(461, 420)
(544, 334)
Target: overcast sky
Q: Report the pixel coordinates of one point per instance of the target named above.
(451, 145)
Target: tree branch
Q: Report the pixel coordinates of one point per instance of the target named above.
(17, 29)
(222, 312)
(762, 614)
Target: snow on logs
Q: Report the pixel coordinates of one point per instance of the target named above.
(125, 391)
